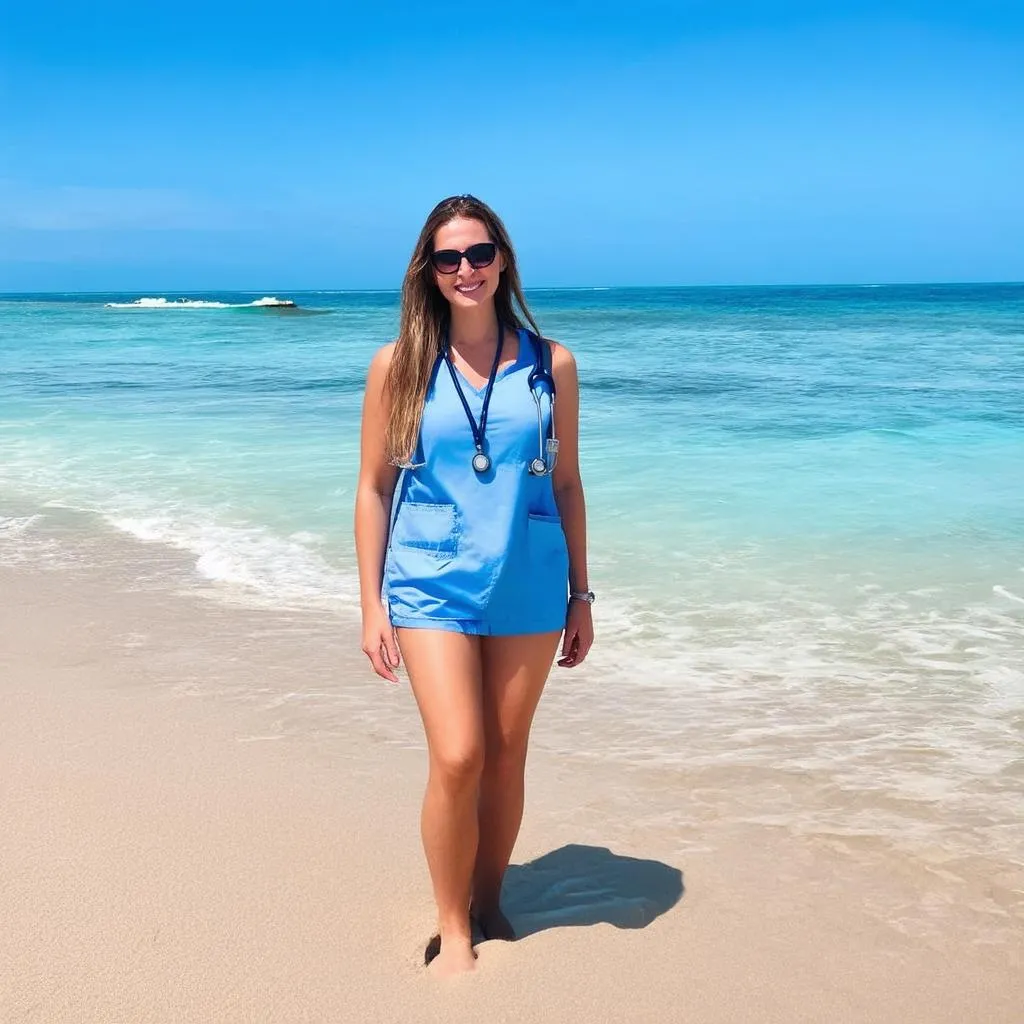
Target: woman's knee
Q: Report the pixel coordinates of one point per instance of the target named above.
(505, 755)
(456, 766)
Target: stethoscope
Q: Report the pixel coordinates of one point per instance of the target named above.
(539, 381)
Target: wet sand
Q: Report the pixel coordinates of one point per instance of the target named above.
(210, 813)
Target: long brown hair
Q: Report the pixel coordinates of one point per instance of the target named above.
(425, 314)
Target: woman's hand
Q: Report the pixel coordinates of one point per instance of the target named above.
(579, 634)
(380, 644)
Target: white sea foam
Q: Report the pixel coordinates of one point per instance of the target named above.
(15, 526)
(165, 303)
(20, 544)
(251, 561)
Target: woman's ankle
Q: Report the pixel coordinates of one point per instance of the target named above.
(455, 927)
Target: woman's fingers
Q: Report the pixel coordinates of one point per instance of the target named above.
(570, 650)
(379, 659)
(585, 643)
(380, 644)
(576, 647)
(567, 641)
(383, 654)
(584, 639)
(579, 636)
(390, 642)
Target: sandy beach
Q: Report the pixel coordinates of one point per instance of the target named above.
(210, 814)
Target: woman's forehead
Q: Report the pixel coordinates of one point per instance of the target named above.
(459, 233)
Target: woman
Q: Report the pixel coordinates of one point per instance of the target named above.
(481, 555)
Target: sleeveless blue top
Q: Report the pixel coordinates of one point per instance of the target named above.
(480, 553)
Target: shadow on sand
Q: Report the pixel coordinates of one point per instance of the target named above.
(576, 886)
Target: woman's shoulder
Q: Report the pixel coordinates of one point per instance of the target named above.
(563, 364)
(561, 356)
(382, 357)
(380, 364)
(386, 351)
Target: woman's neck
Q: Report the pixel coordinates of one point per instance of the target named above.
(473, 329)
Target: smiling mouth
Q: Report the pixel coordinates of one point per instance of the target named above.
(466, 289)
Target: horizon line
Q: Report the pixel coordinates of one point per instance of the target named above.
(146, 292)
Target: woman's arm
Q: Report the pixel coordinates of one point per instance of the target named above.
(374, 492)
(579, 628)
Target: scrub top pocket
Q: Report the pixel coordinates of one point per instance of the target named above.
(548, 560)
(548, 552)
(431, 529)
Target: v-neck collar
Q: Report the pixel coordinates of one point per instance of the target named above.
(502, 371)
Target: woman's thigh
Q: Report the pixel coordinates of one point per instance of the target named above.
(445, 671)
(515, 669)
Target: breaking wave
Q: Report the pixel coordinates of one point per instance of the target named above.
(270, 301)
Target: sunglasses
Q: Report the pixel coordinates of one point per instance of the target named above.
(448, 261)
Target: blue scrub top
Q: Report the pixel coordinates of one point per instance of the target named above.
(480, 553)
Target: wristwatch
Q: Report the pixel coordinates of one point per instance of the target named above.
(586, 596)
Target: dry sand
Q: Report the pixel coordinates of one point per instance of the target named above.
(185, 837)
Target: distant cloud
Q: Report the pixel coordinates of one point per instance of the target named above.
(87, 208)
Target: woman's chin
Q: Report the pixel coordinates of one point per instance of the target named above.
(472, 300)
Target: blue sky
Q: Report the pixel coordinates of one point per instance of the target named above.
(192, 146)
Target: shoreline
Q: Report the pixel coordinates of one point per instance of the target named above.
(211, 813)
(789, 745)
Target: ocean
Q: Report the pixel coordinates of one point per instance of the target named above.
(806, 513)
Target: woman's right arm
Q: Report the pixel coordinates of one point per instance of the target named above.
(374, 492)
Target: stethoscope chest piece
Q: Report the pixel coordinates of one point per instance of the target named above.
(538, 467)
(481, 462)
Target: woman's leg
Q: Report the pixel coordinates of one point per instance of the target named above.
(445, 671)
(515, 669)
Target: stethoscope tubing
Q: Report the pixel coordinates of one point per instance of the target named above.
(547, 448)
(541, 466)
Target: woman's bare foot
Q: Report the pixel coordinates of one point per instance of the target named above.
(494, 924)
(455, 956)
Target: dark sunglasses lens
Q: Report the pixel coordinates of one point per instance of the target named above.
(481, 255)
(446, 261)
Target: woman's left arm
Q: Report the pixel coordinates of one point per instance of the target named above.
(568, 484)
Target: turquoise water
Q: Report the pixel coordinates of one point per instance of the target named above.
(806, 504)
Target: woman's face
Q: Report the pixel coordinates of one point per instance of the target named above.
(467, 287)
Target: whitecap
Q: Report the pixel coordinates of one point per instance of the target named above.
(165, 303)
